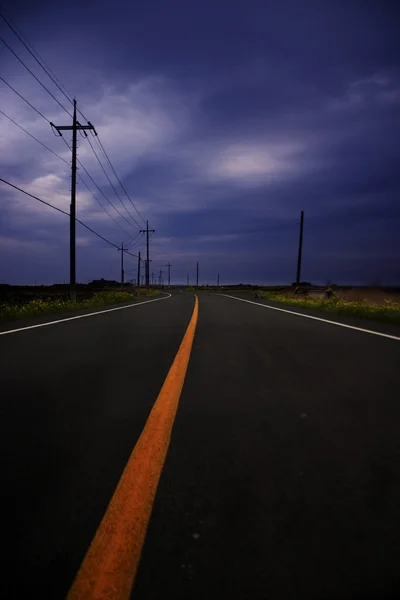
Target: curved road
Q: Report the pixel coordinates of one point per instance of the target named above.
(282, 478)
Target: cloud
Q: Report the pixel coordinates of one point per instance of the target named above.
(361, 94)
(221, 160)
(83, 241)
(137, 122)
(253, 164)
(22, 247)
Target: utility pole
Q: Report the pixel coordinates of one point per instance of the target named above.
(300, 248)
(75, 127)
(169, 273)
(197, 276)
(138, 270)
(147, 231)
(146, 264)
(122, 250)
(218, 280)
(187, 279)
(122, 264)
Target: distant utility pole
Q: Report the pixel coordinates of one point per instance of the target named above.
(218, 280)
(169, 273)
(147, 231)
(138, 270)
(75, 127)
(187, 279)
(160, 277)
(147, 269)
(300, 248)
(197, 275)
(122, 250)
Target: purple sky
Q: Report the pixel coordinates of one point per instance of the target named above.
(223, 120)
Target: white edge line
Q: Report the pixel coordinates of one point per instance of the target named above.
(99, 312)
(292, 312)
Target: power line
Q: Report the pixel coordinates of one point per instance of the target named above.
(24, 99)
(67, 95)
(110, 182)
(40, 114)
(136, 236)
(103, 194)
(99, 188)
(95, 233)
(134, 241)
(52, 77)
(59, 210)
(33, 75)
(97, 200)
(103, 207)
(35, 197)
(136, 244)
(67, 163)
(41, 62)
(66, 143)
(126, 193)
(35, 51)
(95, 197)
(33, 137)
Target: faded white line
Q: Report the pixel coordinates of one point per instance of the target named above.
(292, 312)
(99, 312)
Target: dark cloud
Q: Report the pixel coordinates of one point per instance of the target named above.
(224, 120)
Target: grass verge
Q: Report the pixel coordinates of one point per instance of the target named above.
(35, 308)
(388, 313)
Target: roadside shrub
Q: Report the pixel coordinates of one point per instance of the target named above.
(152, 293)
(34, 308)
(390, 312)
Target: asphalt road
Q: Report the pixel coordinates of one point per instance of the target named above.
(282, 479)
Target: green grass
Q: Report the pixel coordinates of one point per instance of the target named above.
(388, 313)
(34, 308)
(152, 294)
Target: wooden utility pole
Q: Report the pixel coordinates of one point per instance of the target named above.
(169, 273)
(197, 275)
(300, 248)
(147, 270)
(187, 279)
(138, 270)
(122, 263)
(122, 250)
(75, 127)
(218, 280)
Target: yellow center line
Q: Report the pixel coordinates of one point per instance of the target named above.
(109, 567)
